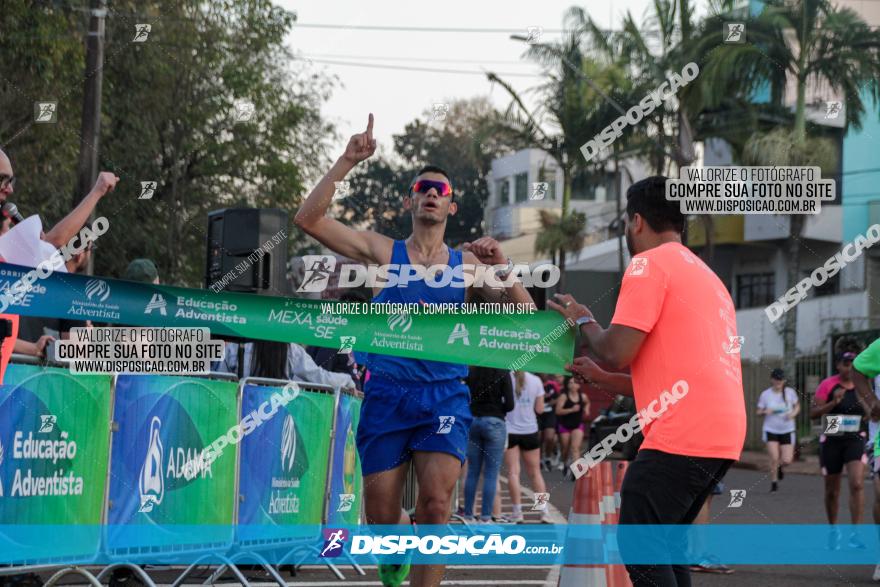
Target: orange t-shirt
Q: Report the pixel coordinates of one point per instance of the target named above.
(8, 344)
(669, 293)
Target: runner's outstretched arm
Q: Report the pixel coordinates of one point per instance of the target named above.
(362, 245)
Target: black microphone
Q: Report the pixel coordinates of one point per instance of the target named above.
(10, 210)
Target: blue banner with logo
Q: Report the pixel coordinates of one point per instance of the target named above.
(346, 483)
(161, 424)
(54, 448)
(284, 462)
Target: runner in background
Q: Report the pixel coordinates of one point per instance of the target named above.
(843, 411)
(523, 439)
(572, 408)
(547, 424)
(866, 366)
(779, 405)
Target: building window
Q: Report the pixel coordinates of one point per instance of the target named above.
(755, 289)
(502, 187)
(522, 187)
(600, 186)
(829, 288)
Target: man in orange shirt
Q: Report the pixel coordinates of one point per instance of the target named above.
(675, 327)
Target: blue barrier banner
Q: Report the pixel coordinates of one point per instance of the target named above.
(521, 544)
(54, 450)
(160, 425)
(284, 461)
(346, 484)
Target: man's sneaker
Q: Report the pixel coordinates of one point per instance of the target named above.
(502, 519)
(855, 542)
(834, 539)
(876, 576)
(393, 575)
(516, 518)
(710, 564)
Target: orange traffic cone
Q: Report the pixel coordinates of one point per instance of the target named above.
(587, 508)
(617, 575)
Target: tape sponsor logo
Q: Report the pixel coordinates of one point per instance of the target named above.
(400, 321)
(157, 302)
(459, 332)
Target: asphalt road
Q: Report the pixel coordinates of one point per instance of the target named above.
(799, 501)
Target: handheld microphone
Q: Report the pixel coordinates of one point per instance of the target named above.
(10, 210)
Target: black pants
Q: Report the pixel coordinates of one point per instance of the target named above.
(662, 488)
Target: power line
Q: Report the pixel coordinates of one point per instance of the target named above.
(423, 69)
(415, 29)
(425, 59)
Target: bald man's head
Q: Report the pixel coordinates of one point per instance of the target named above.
(5, 176)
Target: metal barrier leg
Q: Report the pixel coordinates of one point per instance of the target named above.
(354, 565)
(261, 560)
(142, 574)
(75, 571)
(215, 575)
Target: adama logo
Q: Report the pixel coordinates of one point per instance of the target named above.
(151, 483)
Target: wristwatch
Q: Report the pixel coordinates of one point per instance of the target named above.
(584, 320)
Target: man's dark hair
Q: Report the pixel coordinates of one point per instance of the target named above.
(648, 198)
(431, 169)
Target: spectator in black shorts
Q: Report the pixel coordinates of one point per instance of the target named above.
(522, 437)
(547, 423)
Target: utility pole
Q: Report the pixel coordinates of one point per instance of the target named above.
(91, 115)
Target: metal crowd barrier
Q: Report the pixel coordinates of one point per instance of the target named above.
(118, 513)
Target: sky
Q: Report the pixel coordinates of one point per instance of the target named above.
(397, 96)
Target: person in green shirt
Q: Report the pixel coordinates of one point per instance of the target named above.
(866, 367)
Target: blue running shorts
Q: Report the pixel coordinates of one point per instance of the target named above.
(398, 418)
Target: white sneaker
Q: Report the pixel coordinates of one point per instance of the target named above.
(876, 576)
(516, 518)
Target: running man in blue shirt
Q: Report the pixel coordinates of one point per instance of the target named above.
(413, 409)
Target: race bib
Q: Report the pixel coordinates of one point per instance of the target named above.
(837, 424)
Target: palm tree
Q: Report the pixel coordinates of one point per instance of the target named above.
(569, 109)
(808, 41)
(648, 53)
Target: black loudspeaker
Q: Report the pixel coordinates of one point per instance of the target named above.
(247, 251)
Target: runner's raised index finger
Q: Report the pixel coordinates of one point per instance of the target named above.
(370, 128)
